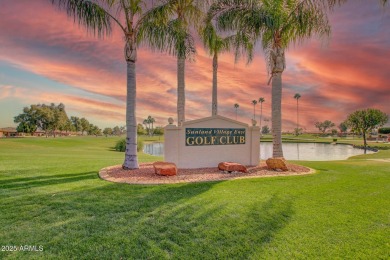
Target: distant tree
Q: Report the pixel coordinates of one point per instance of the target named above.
(107, 131)
(140, 129)
(384, 130)
(343, 127)
(45, 117)
(76, 122)
(151, 121)
(236, 106)
(298, 131)
(59, 118)
(67, 127)
(364, 121)
(116, 131)
(159, 130)
(49, 118)
(261, 100)
(254, 102)
(145, 122)
(265, 130)
(324, 126)
(334, 131)
(25, 127)
(122, 129)
(297, 96)
(27, 121)
(84, 124)
(148, 122)
(94, 130)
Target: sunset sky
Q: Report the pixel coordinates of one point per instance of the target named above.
(46, 58)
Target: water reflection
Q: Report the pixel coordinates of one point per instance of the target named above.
(291, 151)
(312, 151)
(156, 149)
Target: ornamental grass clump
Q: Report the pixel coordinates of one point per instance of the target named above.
(120, 146)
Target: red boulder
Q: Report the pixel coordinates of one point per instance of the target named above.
(231, 167)
(165, 168)
(278, 163)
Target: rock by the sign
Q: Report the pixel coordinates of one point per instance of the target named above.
(165, 168)
(231, 167)
(278, 163)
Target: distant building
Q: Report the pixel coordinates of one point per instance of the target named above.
(8, 132)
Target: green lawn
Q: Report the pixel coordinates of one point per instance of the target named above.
(51, 196)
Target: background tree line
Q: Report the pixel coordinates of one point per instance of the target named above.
(52, 120)
(147, 128)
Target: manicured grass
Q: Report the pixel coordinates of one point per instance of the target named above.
(51, 196)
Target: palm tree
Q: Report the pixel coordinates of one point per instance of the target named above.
(146, 123)
(261, 100)
(297, 96)
(278, 24)
(254, 102)
(173, 20)
(236, 106)
(216, 45)
(128, 15)
(151, 121)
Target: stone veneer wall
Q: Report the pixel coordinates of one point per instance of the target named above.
(176, 151)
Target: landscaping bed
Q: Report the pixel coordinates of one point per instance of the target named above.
(146, 175)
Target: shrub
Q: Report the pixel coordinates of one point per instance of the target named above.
(121, 145)
(334, 139)
(384, 130)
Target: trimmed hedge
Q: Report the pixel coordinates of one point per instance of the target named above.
(384, 130)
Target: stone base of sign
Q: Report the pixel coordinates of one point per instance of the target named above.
(277, 164)
(165, 168)
(187, 150)
(232, 167)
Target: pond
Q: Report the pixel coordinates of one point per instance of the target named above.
(292, 151)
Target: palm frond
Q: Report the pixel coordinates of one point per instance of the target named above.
(163, 30)
(89, 14)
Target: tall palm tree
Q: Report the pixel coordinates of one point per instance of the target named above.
(216, 45)
(261, 100)
(128, 15)
(173, 20)
(254, 102)
(277, 24)
(297, 96)
(236, 106)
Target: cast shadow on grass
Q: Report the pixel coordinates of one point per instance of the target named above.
(186, 221)
(194, 231)
(44, 180)
(173, 221)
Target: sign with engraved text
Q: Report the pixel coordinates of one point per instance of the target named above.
(214, 136)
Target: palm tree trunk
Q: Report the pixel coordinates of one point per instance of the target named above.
(297, 118)
(277, 115)
(131, 159)
(364, 140)
(261, 115)
(214, 105)
(277, 70)
(180, 91)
